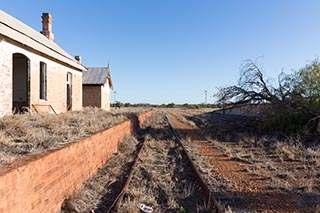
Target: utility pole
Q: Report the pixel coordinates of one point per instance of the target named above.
(205, 97)
(114, 96)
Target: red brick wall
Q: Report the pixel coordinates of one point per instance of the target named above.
(40, 183)
(142, 118)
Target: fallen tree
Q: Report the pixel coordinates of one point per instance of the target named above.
(294, 98)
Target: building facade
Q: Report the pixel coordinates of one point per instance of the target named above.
(35, 73)
(97, 84)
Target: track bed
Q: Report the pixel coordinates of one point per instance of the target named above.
(160, 173)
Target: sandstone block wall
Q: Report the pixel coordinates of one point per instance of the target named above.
(5, 81)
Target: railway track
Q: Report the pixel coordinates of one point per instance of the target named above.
(117, 202)
(211, 203)
(171, 168)
(205, 188)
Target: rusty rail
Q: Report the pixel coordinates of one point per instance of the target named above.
(117, 202)
(205, 188)
(215, 207)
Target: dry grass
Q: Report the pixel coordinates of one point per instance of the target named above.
(131, 110)
(105, 183)
(183, 118)
(23, 134)
(290, 166)
(165, 180)
(161, 180)
(189, 189)
(286, 166)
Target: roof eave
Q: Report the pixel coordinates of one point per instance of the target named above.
(20, 37)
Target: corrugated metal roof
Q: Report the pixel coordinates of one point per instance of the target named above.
(20, 32)
(97, 76)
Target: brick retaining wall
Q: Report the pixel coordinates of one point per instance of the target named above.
(40, 183)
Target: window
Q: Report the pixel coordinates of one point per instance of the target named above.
(43, 81)
(69, 91)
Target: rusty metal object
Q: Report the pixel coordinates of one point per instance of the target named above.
(215, 207)
(205, 188)
(117, 202)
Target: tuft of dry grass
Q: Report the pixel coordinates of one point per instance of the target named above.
(189, 189)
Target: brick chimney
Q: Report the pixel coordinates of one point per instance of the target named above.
(47, 26)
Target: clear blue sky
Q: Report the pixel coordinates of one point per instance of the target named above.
(163, 51)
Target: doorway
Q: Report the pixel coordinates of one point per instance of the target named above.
(20, 83)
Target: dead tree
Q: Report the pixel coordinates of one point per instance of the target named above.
(294, 93)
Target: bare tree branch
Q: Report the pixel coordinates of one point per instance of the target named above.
(297, 94)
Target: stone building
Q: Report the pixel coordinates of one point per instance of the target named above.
(96, 87)
(35, 73)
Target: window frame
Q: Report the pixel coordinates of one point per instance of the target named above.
(43, 81)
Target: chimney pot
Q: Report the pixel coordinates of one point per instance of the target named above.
(78, 58)
(47, 26)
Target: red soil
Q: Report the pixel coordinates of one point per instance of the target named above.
(253, 190)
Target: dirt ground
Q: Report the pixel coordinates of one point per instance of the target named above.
(249, 173)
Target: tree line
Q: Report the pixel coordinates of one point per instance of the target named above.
(169, 105)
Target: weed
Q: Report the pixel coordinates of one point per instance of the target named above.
(181, 209)
(189, 190)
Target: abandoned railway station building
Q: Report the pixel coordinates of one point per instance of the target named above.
(34, 71)
(97, 84)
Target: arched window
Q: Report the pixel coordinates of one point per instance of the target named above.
(43, 81)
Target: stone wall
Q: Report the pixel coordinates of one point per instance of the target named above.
(5, 82)
(56, 79)
(105, 96)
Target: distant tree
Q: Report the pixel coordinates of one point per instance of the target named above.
(194, 106)
(186, 105)
(118, 104)
(127, 105)
(170, 105)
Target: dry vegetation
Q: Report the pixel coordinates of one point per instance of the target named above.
(130, 110)
(161, 180)
(291, 164)
(98, 193)
(287, 166)
(22, 134)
